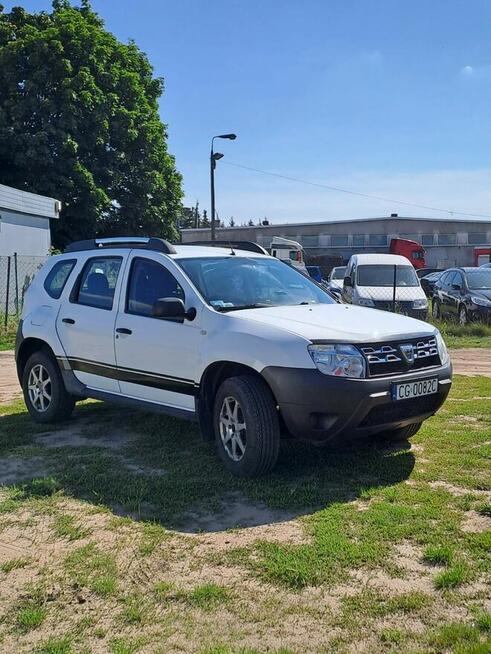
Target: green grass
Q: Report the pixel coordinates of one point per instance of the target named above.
(208, 595)
(66, 527)
(7, 334)
(90, 567)
(55, 646)
(471, 335)
(438, 554)
(357, 511)
(13, 564)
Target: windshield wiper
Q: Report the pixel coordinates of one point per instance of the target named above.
(257, 305)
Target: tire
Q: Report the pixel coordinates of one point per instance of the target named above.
(435, 309)
(252, 450)
(402, 434)
(463, 317)
(44, 392)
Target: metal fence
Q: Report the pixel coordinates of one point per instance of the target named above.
(16, 273)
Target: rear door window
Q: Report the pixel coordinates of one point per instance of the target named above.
(98, 282)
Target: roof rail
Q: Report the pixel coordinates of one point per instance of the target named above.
(145, 243)
(249, 246)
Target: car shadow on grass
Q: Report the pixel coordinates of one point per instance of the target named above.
(152, 467)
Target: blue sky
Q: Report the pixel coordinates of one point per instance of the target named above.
(384, 97)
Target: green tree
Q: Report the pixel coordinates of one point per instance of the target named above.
(79, 121)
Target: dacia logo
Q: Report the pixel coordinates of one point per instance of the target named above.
(407, 352)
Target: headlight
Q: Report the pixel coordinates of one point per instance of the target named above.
(480, 301)
(420, 304)
(338, 360)
(366, 302)
(442, 349)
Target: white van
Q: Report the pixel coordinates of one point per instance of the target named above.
(370, 280)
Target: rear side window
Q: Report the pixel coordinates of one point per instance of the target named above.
(57, 277)
(98, 282)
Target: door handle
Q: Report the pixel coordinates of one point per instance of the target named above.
(123, 330)
(69, 321)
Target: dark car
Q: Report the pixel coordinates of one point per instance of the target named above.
(463, 294)
(428, 282)
(422, 272)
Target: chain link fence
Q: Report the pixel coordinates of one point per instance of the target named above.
(16, 273)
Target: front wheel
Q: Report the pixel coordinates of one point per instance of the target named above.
(463, 318)
(44, 392)
(246, 426)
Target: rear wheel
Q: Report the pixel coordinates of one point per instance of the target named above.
(44, 392)
(246, 426)
(463, 318)
(402, 434)
(435, 309)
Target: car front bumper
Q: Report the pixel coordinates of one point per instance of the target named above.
(479, 313)
(318, 407)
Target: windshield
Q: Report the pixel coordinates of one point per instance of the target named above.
(383, 275)
(479, 279)
(229, 283)
(338, 273)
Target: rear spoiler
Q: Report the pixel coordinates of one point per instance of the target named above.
(249, 246)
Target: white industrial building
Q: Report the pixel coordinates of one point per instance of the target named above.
(24, 222)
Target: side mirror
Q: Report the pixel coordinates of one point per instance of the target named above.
(347, 282)
(170, 308)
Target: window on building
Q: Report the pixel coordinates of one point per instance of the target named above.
(377, 239)
(310, 241)
(446, 239)
(339, 240)
(476, 238)
(426, 239)
(358, 240)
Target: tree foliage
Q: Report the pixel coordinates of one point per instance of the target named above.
(79, 122)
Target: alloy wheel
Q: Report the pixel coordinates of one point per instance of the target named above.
(39, 388)
(233, 428)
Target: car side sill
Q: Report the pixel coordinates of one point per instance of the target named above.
(75, 387)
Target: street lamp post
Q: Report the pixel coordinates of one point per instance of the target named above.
(214, 157)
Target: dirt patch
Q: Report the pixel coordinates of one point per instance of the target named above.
(474, 522)
(235, 512)
(14, 470)
(78, 434)
(10, 389)
(471, 361)
(458, 491)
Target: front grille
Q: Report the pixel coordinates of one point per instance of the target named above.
(401, 410)
(406, 356)
(387, 305)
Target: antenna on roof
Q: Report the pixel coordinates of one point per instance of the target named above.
(232, 251)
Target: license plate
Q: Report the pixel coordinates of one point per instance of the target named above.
(417, 388)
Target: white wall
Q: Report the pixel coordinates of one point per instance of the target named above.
(24, 234)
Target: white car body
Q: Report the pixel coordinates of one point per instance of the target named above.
(171, 364)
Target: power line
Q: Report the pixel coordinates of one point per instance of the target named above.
(358, 193)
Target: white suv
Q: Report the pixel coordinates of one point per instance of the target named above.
(234, 339)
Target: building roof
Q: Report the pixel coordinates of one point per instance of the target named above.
(13, 199)
(345, 221)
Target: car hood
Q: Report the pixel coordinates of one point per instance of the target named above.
(336, 283)
(338, 322)
(481, 293)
